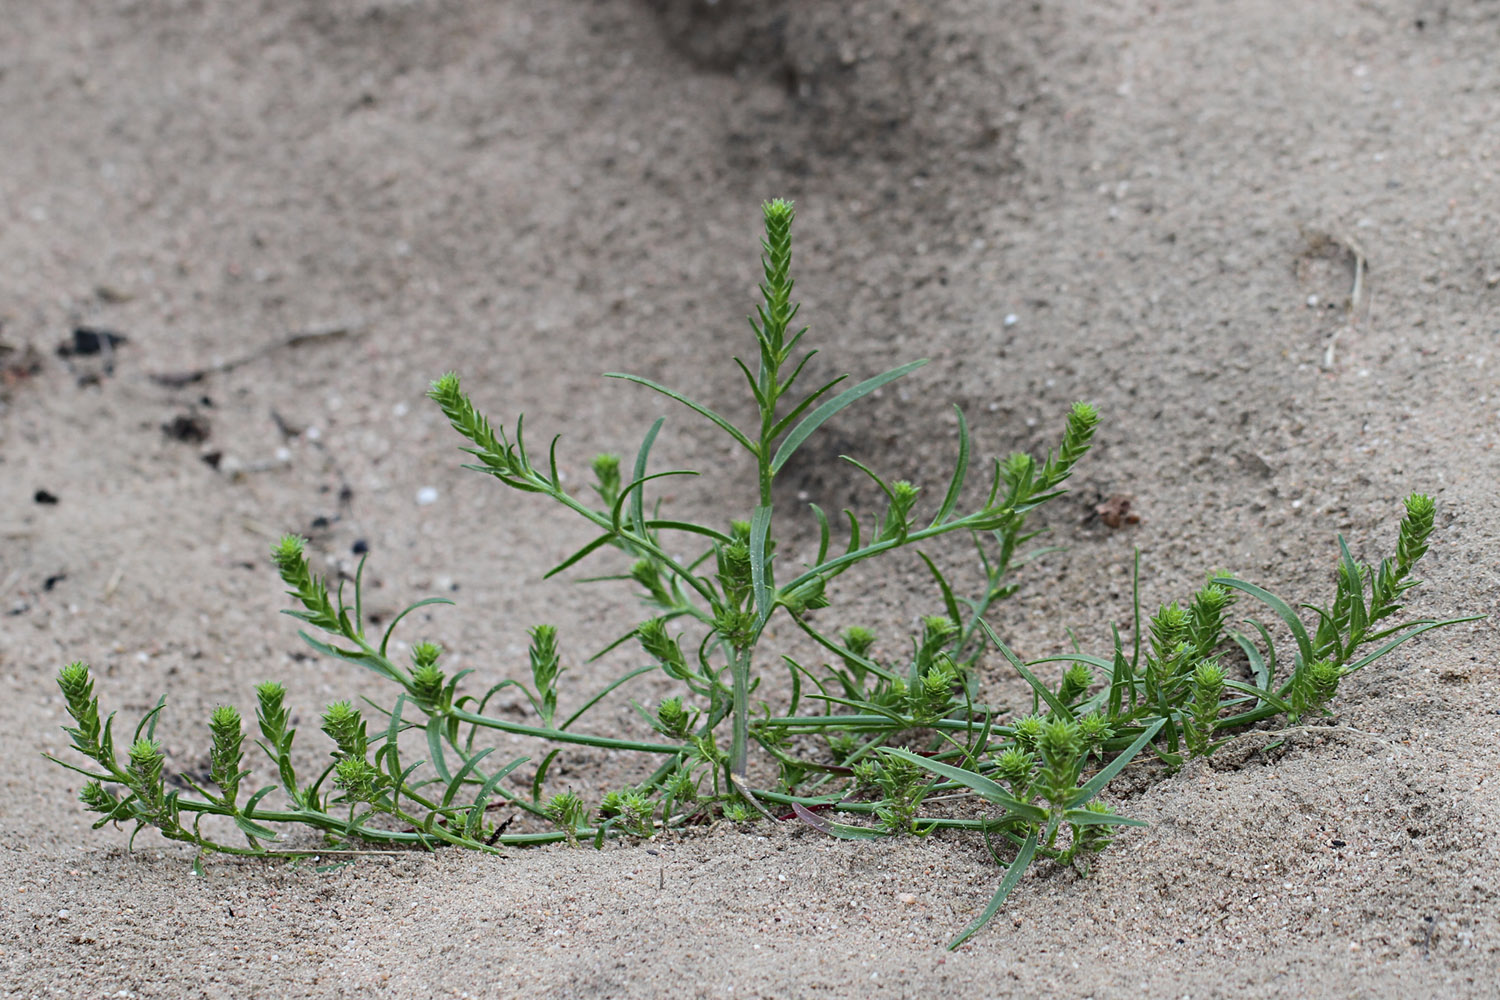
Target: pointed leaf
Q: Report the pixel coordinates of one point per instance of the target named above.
(638, 497)
(950, 603)
(807, 401)
(580, 555)
(1087, 817)
(1369, 658)
(1007, 884)
(816, 418)
(435, 747)
(1258, 668)
(723, 424)
(1053, 701)
(1283, 611)
(760, 577)
(988, 790)
(960, 471)
(1096, 784)
(1261, 693)
(476, 811)
(253, 829)
(458, 779)
(397, 620)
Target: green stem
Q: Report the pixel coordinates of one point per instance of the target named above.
(560, 735)
(740, 726)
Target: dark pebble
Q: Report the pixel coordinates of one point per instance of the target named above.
(90, 340)
(189, 428)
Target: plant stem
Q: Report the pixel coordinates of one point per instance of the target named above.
(740, 723)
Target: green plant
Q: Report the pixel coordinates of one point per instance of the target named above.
(1196, 683)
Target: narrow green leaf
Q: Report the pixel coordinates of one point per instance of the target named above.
(435, 747)
(1087, 817)
(834, 647)
(884, 488)
(74, 767)
(816, 418)
(1281, 608)
(760, 576)
(607, 689)
(960, 471)
(949, 601)
(580, 555)
(825, 534)
(637, 493)
(1358, 617)
(1096, 784)
(255, 799)
(391, 751)
(541, 775)
(456, 782)
(1007, 884)
(359, 592)
(1055, 703)
(634, 492)
(1258, 667)
(988, 790)
(253, 829)
(1261, 693)
(760, 399)
(148, 721)
(659, 524)
(807, 401)
(1094, 661)
(385, 641)
(723, 424)
(1420, 627)
(476, 811)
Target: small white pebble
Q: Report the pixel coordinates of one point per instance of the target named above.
(1011, 319)
(399, 410)
(63, 914)
(1312, 300)
(283, 455)
(312, 433)
(907, 898)
(427, 495)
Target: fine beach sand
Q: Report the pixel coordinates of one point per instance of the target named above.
(1159, 207)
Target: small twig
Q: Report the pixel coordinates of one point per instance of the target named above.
(114, 582)
(1361, 264)
(330, 331)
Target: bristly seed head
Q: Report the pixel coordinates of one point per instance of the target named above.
(1028, 731)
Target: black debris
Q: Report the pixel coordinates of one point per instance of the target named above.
(189, 428)
(42, 496)
(90, 340)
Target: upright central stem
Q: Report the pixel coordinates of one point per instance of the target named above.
(740, 738)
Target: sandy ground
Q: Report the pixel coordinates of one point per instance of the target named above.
(535, 192)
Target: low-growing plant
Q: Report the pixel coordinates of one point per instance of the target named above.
(860, 735)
